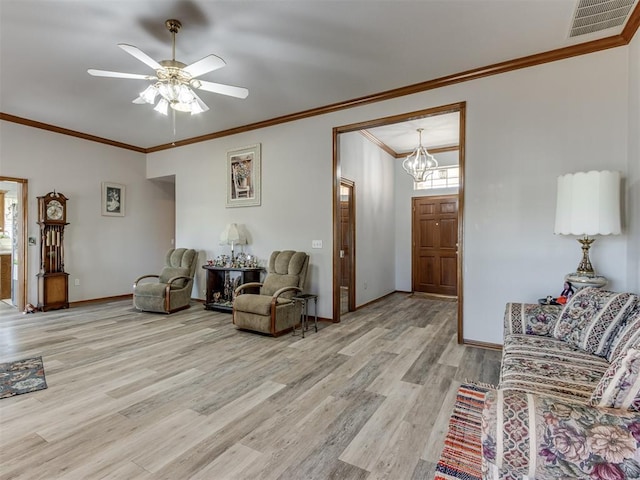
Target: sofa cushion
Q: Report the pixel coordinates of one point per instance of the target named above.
(531, 318)
(539, 437)
(170, 272)
(591, 319)
(628, 334)
(619, 387)
(549, 366)
(274, 282)
(258, 304)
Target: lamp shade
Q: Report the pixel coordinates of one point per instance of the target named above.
(588, 203)
(232, 235)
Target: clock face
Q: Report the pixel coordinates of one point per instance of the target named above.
(54, 210)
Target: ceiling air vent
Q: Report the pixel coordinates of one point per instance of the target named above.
(595, 15)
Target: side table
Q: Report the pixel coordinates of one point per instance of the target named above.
(220, 285)
(304, 299)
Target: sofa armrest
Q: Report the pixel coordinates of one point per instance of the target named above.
(543, 437)
(530, 318)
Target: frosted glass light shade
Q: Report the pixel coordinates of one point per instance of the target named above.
(588, 203)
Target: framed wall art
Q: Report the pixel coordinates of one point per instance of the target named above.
(113, 199)
(243, 176)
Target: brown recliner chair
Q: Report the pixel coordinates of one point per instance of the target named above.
(272, 311)
(172, 290)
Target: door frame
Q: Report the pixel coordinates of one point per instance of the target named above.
(450, 108)
(22, 284)
(351, 299)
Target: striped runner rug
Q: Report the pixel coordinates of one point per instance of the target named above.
(462, 454)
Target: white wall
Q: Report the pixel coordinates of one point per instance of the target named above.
(372, 171)
(296, 169)
(524, 128)
(633, 180)
(105, 253)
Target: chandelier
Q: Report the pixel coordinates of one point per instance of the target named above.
(420, 164)
(173, 85)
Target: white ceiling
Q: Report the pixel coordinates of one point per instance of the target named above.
(439, 131)
(291, 55)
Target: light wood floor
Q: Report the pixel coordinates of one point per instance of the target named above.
(146, 396)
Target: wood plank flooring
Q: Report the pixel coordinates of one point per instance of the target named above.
(187, 396)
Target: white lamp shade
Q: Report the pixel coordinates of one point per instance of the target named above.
(588, 203)
(232, 235)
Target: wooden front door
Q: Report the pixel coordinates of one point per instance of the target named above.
(435, 245)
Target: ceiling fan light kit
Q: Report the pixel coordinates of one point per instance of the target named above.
(174, 81)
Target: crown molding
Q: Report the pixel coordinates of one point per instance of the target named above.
(629, 31)
(66, 131)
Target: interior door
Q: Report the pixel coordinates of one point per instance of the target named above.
(347, 246)
(435, 245)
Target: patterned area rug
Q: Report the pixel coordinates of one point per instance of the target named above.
(20, 377)
(462, 454)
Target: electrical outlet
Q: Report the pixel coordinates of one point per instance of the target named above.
(316, 243)
(77, 282)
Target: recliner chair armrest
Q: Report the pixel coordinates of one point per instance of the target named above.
(144, 276)
(247, 285)
(530, 318)
(179, 277)
(282, 290)
(544, 437)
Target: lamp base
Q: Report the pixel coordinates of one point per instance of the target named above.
(578, 280)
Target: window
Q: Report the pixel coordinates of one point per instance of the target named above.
(443, 177)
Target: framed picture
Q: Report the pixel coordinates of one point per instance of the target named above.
(113, 198)
(243, 176)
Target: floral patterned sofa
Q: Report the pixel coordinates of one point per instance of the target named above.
(568, 402)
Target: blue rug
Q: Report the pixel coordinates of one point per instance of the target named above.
(22, 376)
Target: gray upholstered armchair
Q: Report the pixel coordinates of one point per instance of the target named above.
(172, 290)
(272, 311)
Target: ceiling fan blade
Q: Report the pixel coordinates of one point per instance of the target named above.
(230, 90)
(204, 65)
(107, 73)
(140, 55)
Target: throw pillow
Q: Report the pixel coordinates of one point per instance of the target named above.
(170, 272)
(590, 319)
(619, 387)
(628, 334)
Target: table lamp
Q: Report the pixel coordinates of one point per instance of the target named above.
(232, 235)
(588, 203)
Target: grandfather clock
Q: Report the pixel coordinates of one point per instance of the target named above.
(53, 282)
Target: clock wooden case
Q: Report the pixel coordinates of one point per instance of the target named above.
(53, 281)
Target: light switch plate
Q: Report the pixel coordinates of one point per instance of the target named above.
(316, 243)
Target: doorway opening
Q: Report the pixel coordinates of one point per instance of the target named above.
(402, 238)
(13, 242)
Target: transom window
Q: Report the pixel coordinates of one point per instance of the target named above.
(442, 177)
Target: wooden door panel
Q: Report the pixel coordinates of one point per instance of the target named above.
(345, 264)
(427, 237)
(435, 245)
(426, 272)
(448, 233)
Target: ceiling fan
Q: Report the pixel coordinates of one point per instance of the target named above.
(174, 81)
